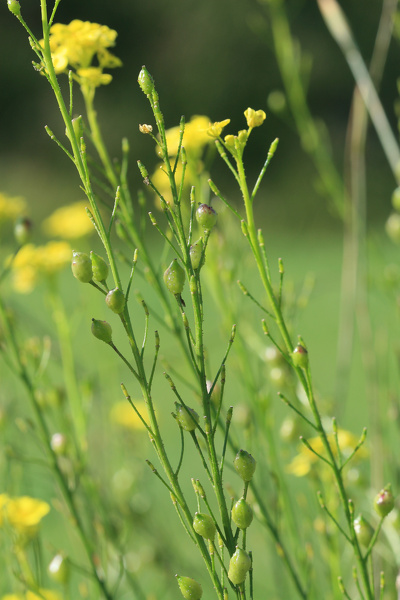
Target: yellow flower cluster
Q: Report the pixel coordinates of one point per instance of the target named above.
(69, 222)
(214, 130)
(33, 263)
(10, 208)
(23, 514)
(302, 464)
(77, 44)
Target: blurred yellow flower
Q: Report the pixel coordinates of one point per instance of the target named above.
(11, 207)
(304, 461)
(69, 222)
(46, 594)
(32, 263)
(123, 414)
(23, 514)
(93, 77)
(215, 129)
(194, 138)
(254, 118)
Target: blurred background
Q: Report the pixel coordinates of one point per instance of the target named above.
(207, 58)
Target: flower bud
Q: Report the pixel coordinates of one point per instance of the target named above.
(102, 330)
(190, 589)
(364, 531)
(99, 267)
(239, 565)
(58, 569)
(174, 277)
(245, 465)
(254, 118)
(145, 81)
(206, 216)
(195, 252)
(115, 300)
(242, 514)
(81, 267)
(59, 444)
(384, 501)
(22, 230)
(204, 526)
(14, 7)
(187, 421)
(300, 357)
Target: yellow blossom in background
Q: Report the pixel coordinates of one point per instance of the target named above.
(254, 118)
(33, 263)
(11, 207)
(160, 181)
(302, 464)
(214, 130)
(77, 44)
(46, 594)
(69, 222)
(23, 514)
(93, 77)
(194, 138)
(123, 414)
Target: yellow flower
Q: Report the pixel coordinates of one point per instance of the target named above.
(69, 222)
(304, 461)
(11, 207)
(93, 77)
(35, 262)
(24, 514)
(78, 43)
(215, 130)
(254, 118)
(194, 137)
(123, 414)
(47, 594)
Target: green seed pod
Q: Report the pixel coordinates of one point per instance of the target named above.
(242, 514)
(204, 526)
(300, 357)
(364, 531)
(174, 277)
(145, 81)
(58, 569)
(81, 267)
(245, 465)
(195, 252)
(102, 330)
(14, 7)
(22, 230)
(206, 216)
(115, 300)
(188, 422)
(396, 199)
(99, 267)
(190, 589)
(384, 501)
(239, 565)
